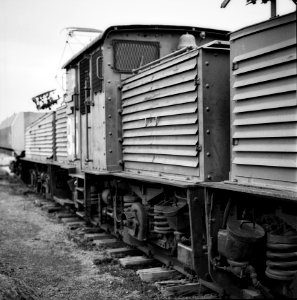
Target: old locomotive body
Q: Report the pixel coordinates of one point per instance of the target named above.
(183, 149)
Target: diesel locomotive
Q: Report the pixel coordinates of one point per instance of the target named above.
(182, 142)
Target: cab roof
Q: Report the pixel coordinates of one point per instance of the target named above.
(221, 34)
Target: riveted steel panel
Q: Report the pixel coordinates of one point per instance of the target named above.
(163, 117)
(159, 106)
(264, 104)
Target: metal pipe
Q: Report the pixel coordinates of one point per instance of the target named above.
(87, 121)
(74, 107)
(273, 8)
(226, 214)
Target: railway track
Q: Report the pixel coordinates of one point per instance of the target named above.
(171, 283)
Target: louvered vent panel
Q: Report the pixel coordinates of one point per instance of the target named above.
(39, 138)
(61, 134)
(160, 120)
(97, 71)
(265, 115)
(84, 82)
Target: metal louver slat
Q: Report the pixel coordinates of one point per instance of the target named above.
(164, 111)
(164, 159)
(267, 159)
(283, 176)
(267, 88)
(168, 101)
(169, 130)
(267, 102)
(270, 59)
(164, 82)
(163, 66)
(167, 73)
(179, 151)
(162, 121)
(165, 92)
(275, 72)
(162, 140)
(264, 131)
(168, 170)
(283, 115)
(267, 145)
(267, 49)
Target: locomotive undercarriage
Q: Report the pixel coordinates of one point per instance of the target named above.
(252, 244)
(155, 219)
(245, 243)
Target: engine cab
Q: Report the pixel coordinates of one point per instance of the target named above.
(94, 79)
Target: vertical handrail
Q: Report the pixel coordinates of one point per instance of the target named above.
(87, 121)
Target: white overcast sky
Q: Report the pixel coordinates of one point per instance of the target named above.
(32, 38)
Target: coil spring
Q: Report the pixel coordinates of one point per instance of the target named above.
(282, 257)
(160, 221)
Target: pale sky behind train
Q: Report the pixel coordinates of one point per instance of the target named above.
(32, 39)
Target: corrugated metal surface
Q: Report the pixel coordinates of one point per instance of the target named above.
(160, 119)
(264, 105)
(61, 134)
(40, 137)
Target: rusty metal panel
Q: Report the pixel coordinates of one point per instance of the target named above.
(264, 104)
(40, 138)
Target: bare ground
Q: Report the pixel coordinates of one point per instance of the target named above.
(38, 260)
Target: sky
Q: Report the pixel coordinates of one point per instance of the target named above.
(33, 36)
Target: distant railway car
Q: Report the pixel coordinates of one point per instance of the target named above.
(12, 131)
